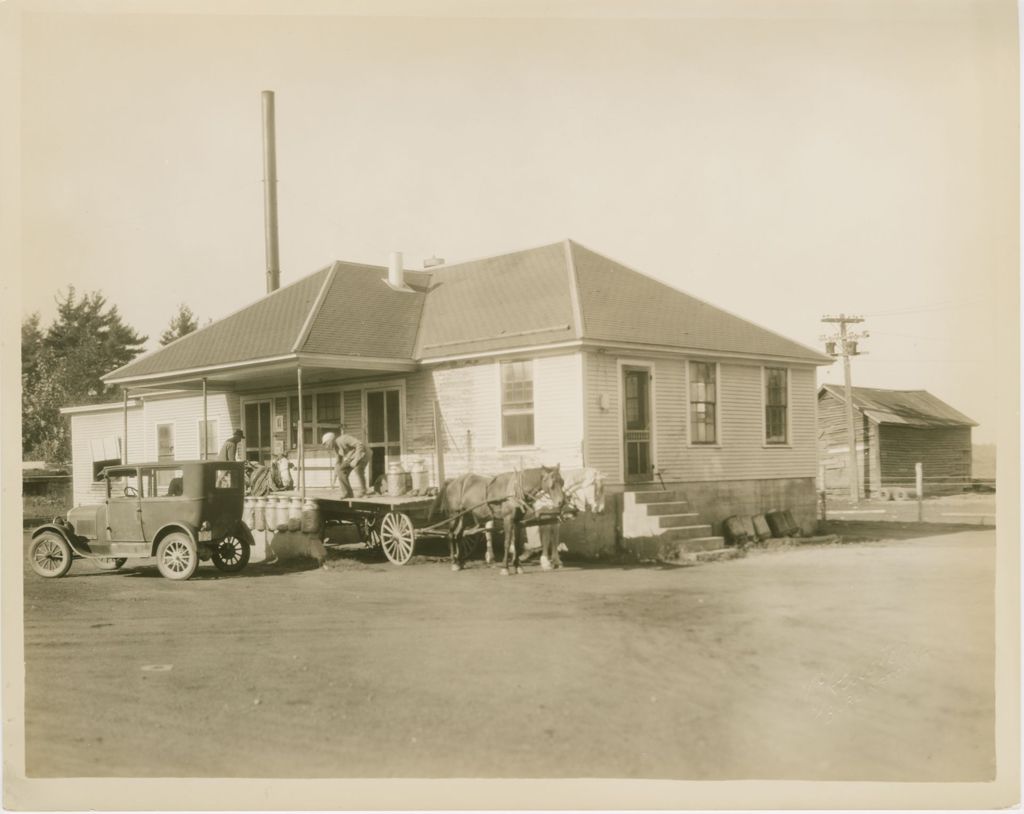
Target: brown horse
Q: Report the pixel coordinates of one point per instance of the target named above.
(472, 501)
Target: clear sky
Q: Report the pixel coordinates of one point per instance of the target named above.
(782, 161)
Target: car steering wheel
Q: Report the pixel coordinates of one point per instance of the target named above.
(129, 491)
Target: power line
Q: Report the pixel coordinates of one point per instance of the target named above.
(939, 306)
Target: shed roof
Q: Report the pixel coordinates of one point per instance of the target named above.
(913, 408)
(554, 293)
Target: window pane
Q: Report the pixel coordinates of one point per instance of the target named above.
(394, 422)
(227, 479)
(518, 430)
(517, 403)
(328, 411)
(208, 437)
(375, 417)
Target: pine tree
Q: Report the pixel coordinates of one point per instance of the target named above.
(63, 366)
(181, 324)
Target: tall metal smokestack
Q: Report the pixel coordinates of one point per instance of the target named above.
(270, 191)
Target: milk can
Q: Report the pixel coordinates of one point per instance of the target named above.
(420, 476)
(396, 479)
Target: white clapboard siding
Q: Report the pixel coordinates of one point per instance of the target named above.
(185, 413)
(604, 421)
(91, 429)
(740, 453)
(469, 397)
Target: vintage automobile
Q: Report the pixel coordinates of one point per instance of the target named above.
(180, 513)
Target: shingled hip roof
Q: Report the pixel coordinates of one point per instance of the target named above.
(562, 293)
(912, 408)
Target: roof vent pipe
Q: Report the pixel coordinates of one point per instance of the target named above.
(396, 273)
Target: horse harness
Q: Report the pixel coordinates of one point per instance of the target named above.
(522, 499)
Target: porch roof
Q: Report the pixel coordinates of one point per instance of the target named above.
(343, 316)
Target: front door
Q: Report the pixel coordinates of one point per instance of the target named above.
(124, 510)
(258, 439)
(383, 429)
(636, 420)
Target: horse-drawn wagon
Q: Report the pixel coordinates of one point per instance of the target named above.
(466, 511)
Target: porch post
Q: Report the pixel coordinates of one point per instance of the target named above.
(302, 450)
(124, 452)
(206, 425)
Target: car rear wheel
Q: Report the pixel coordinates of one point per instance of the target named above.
(231, 554)
(177, 556)
(110, 563)
(50, 555)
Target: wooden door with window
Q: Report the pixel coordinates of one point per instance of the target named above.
(258, 437)
(383, 430)
(636, 424)
(165, 442)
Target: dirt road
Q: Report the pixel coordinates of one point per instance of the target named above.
(870, 661)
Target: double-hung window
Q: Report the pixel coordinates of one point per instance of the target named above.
(776, 395)
(517, 404)
(703, 403)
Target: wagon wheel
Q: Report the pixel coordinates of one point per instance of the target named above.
(397, 537)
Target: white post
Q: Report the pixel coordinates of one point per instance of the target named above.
(302, 449)
(919, 476)
(206, 424)
(124, 452)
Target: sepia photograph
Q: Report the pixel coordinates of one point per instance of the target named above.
(511, 405)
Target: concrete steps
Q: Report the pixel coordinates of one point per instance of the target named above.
(661, 519)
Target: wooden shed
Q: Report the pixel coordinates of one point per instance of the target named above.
(895, 430)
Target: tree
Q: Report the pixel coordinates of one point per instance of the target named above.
(63, 366)
(181, 324)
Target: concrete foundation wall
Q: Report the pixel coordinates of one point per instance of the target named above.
(717, 500)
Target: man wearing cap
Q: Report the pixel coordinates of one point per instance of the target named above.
(350, 457)
(229, 451)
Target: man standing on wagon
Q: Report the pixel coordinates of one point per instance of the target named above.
(351, 457)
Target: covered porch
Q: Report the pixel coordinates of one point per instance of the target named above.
(367, 396)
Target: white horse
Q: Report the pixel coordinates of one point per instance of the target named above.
(584, 491)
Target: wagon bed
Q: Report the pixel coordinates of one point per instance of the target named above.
(392, 523)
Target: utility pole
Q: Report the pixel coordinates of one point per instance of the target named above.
(847, 343)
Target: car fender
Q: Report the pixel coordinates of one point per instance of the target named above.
(167, 528)
(67, 531)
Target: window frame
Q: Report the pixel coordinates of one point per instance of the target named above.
(787, 429)
(717, 372)
(215, 450)
(316, 425)
(503, 411)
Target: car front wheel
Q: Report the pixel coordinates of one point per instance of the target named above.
(177, 556)
(50, 555)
